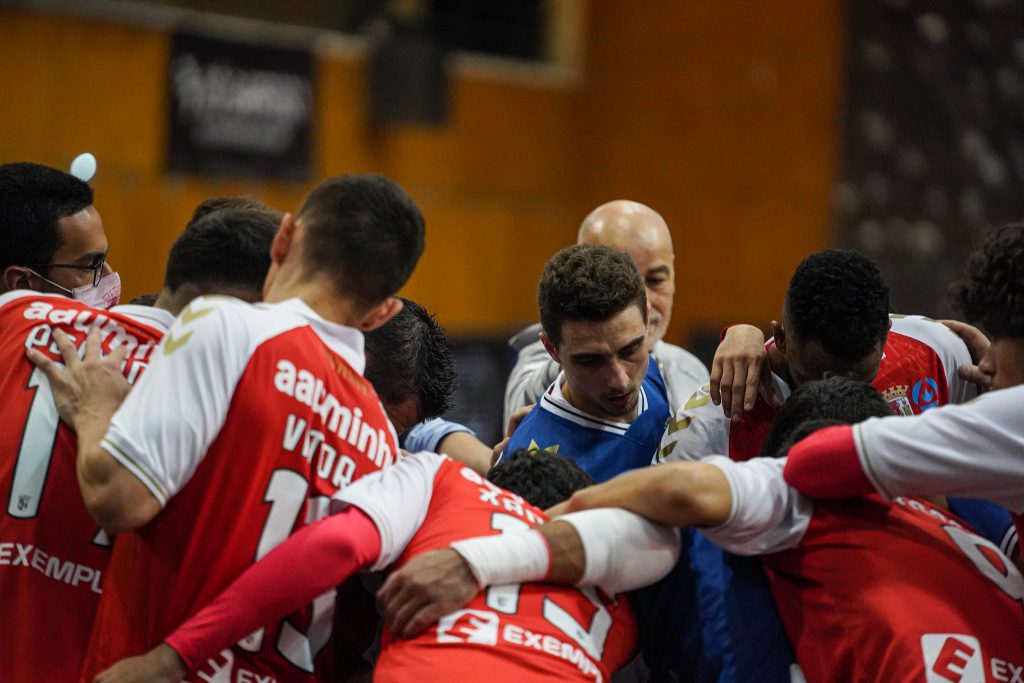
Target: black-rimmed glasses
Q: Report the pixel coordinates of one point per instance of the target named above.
(96, 267)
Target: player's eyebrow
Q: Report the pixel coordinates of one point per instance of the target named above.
(660, 270)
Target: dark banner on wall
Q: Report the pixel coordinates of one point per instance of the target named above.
(933, 147)
(239, 109)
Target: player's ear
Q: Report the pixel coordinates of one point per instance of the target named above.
(282, 243)
(779, 332)
(381, 313)
(15, 277)
(550, 347)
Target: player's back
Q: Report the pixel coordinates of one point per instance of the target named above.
(880, 591)
(270, 416)
(52, 553)
(535, 632)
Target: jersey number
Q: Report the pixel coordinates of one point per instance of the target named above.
(505, 599)
(286, 494)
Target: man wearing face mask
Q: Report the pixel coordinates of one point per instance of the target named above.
(51, 236)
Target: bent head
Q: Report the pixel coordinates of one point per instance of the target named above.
(541, 478)
(818, 404)
(51, 236)
(226, 251)
(362, 235)
(835, 319)
(992, 296)
(411, 364)
(594, 314)
(641, 232)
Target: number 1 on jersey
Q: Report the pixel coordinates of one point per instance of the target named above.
(36, 450)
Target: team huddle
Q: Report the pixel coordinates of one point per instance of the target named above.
(247, 476)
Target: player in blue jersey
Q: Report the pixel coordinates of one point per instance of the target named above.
(608, 406)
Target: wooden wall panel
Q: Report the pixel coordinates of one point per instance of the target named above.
(720, 114)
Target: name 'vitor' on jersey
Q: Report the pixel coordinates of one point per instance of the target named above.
(334, 417)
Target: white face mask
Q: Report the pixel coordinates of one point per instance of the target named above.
(104, 295)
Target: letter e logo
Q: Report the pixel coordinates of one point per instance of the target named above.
(952, 658)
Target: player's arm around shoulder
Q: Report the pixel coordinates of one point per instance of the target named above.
(133, 456)
(697, 429)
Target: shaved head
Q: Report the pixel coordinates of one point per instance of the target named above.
(642, 233)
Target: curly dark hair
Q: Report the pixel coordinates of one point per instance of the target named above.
(992, 291)
(410, 355)
(34, 198)
(589, 282)
(542, 478)
(838, 297)
(833, 400)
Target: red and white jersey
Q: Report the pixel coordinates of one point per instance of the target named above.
(870, 590)
(514, 633)
(249, 419)
(918, 372)
(52, 553)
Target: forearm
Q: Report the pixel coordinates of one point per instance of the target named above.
(675, 494)
(311, 562)
(467, 449)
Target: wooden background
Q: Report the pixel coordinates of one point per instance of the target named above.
(721, 114)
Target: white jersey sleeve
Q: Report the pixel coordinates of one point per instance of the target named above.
(177, 408)
(683, 372)
(532, 374)
(766, 515)
(950, 349)
(396, 499)
(698, 429)
(974, 450)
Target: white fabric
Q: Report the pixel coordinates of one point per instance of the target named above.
(176, 410)
(156, 318)
(507, 558)
(396, 499)
(950, 349)
(766, 515)
(535, 370)
(974, 450)
(623, 550)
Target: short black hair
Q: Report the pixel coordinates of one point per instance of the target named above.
(363, 232)
(33, 198)
(590, 282)
(831, 400)
(542, 478)
(992, 290)
(144, 300)
(229, 247)
(241, 202)
(410, 355)
(839, 298)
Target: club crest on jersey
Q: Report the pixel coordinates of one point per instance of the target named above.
(897, 398)
(468, 626)
(925, 394)
(952, 658)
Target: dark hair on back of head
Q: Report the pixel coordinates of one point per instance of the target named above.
(410, 355)
(837, 399)
(32, 199)
(992, 291)
(541, 478)
(225, 248)
(365, 233)
(240, 202)
(838, 297)
(589, 282)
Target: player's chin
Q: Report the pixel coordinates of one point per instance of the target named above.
(621, 406)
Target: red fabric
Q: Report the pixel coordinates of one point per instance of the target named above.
(826, 465)
(897, 592)
(51, 557)
(506, 634)
(209, 533)
(310, 562)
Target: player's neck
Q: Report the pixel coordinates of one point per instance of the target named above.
(777, 364)
(320, 296)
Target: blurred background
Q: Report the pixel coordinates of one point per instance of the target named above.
(760, 130)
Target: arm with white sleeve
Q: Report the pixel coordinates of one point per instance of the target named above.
(975, 450)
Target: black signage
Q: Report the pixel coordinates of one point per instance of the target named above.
(239, 109)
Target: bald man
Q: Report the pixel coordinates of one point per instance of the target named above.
(642, 233)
